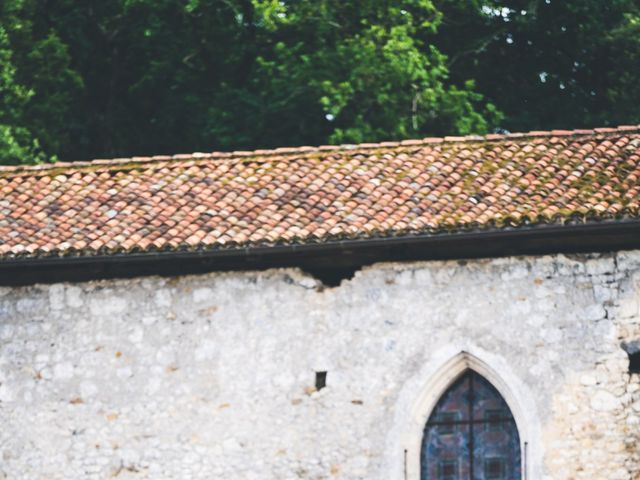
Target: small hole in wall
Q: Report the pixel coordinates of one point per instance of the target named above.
(633, 351)
(634, 362)
(321, 380)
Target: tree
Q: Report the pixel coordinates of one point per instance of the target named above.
(39, 88)
(365, 72)
(17, 144)
(156, 76)
(548, 63)
(137, 77)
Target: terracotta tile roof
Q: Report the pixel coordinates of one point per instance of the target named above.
(204, 201)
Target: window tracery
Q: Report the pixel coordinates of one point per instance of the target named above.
(471, 435)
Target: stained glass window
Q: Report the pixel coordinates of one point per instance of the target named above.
(471, 435)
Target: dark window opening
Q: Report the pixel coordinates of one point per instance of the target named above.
(471, 434)
(633, 351)
(321, 380)
(634, 362)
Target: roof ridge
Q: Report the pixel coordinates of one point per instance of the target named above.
(321, 148)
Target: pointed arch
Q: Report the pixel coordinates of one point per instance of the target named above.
(449, 372)
(440, 379)
(471, 434)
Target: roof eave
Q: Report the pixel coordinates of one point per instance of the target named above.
(606, 236)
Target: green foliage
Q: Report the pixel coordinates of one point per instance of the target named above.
(156, 76)
(82, 80)
(38, 90)
(17, 144)
(548, 63)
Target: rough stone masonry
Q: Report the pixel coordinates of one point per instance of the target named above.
(213, 376)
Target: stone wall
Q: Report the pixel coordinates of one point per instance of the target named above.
(212, 376)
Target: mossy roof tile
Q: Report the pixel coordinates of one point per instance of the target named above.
(312, 195)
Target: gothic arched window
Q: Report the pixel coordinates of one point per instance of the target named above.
(471, 435)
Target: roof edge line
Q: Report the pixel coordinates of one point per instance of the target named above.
(542, 231)
(238, 154)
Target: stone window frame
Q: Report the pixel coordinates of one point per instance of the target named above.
(512, 391)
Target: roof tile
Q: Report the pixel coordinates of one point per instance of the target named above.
(300, 195)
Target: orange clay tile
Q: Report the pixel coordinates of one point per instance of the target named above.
(208, 201)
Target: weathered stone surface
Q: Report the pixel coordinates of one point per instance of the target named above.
(213, 376)
(603, 401)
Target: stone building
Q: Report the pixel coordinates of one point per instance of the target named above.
(435, 309)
